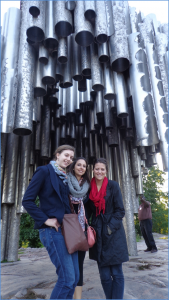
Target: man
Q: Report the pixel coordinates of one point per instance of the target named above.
(145, 218)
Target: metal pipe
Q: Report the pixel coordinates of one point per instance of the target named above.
(48, 73)
(101, 22)
(83, 28)
(121, 99)
(89, 10)
(39, 86)
(76, 49)
(85, 60)
(43, 54)
(51, 39)
(109, 91)
(62, 50)
(35, 29)
(70, 5)
(45, 130)
(62, 19)
(96, 69)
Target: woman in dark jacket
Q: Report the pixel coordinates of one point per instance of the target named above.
(50, 184)
(79, 183)
(110, 251)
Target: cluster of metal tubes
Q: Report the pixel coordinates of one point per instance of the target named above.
(92, 74)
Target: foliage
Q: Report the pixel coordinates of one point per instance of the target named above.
(29, 237)
(152, 185)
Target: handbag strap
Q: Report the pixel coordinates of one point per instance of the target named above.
(71, 207)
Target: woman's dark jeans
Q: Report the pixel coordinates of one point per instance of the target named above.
(67, 267)
(112, 280)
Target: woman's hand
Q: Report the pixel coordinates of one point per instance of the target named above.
(52, 223)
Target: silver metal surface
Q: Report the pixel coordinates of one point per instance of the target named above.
(71, 94)
(77, 70)
(43, 54)
(101, 22)
(109, 18)
(88, 97)
(133, 19)
(67, 68)
(9, 69)
(45, 130)
(23, 170)
(127, 196)
(96, 69)
(134, 161)
(32, 150)
(60, 97)
(3, 154)
(118, 45)
(62, 19)
(121, 99)
(4, 229)
(77, 102)
(14, 229)
(26, 76)
(64, 104)
(48, 71)
(103, 52)
(59, 72)
(39, 86)
(138, 180)
(144, 113)
(109, 91)
(89, 10)
(91, 119)
(62, 50)
(85, 61)
(34, 111)
(159, 101)
(83, 28)
(108, 115)
(35, 29)
(134, 198)
(51, 39)
(161, 44)
(10, 169)
(99, 104)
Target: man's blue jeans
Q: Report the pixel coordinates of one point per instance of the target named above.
(67, 267)
(112, 280)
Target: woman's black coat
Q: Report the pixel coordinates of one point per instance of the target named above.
(109, 249)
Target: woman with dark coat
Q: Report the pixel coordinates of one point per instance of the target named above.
(110, 251)
(50, 184)
(79, 183)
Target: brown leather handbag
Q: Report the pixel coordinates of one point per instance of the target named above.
(72, 231)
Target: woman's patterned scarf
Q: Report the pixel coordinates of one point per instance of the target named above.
(59, 171)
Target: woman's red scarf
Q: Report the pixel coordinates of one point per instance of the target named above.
(98, 197)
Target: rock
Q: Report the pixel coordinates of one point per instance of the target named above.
(21, 293)
(159, 283)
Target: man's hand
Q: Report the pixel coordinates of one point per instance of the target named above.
(52, 223)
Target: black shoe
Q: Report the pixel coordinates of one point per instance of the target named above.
(154, 250)
(147, 250)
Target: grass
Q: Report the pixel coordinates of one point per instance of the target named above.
(164, 237)
(138, 238)
(6, 261)
(21, 252)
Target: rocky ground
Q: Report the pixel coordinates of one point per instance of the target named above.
(33, 277)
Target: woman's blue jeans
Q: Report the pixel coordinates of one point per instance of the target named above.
(112, 280)
(67, 267)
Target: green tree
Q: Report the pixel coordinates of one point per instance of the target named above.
(152, 186)
(28, 234)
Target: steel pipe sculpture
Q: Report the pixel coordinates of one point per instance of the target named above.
(70, 5)
(112, 112)
(34, 9)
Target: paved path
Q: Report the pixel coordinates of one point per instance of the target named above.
(33, 277)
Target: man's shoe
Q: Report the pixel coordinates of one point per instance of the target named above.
(147, 250)
(154, 250)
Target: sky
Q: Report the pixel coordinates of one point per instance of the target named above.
(159, 8)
